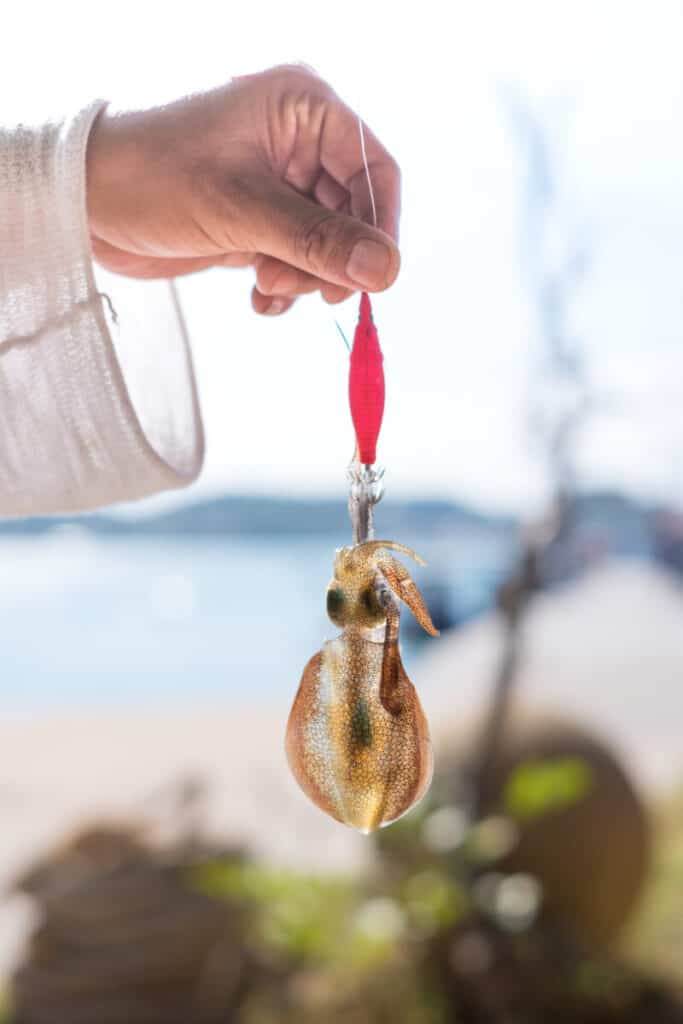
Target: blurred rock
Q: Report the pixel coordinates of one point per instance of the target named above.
(539, 977)
(124, 937)
(589, 850)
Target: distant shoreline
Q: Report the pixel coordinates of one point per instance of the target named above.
(245, 515)
(254, 515)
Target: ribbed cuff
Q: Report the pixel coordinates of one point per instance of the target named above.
(88, 415)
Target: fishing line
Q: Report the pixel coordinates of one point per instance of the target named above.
(346, 342)
(367, 170)
(366, 165)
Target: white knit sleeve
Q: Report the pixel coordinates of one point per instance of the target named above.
(88, 415)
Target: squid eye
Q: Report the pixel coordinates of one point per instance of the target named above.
(336, 602)
(369, 602)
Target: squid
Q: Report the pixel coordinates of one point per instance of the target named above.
(357, 739)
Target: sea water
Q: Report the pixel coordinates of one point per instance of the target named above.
(88, 621)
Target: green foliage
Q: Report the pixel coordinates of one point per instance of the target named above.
(433, 900)
(605, 981)
(351, 950)
(536, 787)
(5, 1009)
(304, 918)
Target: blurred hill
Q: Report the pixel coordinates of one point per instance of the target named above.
(272, 516)
(624, 522)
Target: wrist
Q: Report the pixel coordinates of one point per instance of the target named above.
(110, 170)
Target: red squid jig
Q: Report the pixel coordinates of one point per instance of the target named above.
(366, 384)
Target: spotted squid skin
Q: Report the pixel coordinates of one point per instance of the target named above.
(358, 761)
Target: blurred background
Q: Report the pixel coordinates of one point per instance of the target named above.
(533, 441)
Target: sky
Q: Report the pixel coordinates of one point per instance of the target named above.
(459, 329)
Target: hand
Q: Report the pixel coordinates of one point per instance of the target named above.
(266, 171)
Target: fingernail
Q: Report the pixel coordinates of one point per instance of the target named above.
(276, 306)
(368, 263)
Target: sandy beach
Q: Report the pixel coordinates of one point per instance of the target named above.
(608, 650)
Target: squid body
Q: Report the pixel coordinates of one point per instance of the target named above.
(357, 737)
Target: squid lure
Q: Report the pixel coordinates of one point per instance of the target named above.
(357, 738)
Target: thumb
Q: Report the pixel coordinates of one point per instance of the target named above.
(332, 246)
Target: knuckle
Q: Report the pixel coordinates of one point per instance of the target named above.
(302, 70)
(294, 74)
(317, 241)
